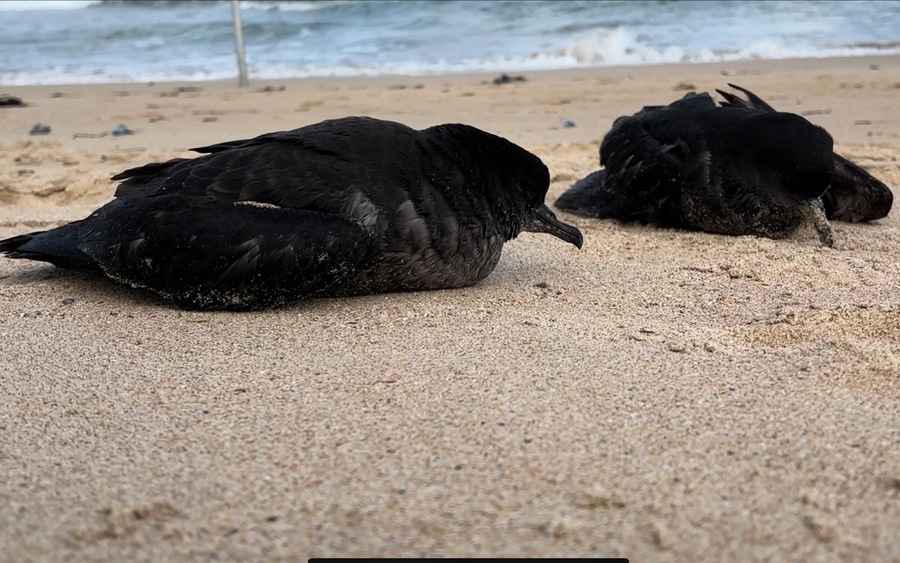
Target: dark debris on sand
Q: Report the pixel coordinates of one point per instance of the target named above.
(121, 129)
(11, 102)
(180, 90)
(508, 79)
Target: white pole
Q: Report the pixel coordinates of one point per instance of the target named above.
(239, 43)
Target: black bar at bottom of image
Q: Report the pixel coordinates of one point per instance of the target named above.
(463, 559)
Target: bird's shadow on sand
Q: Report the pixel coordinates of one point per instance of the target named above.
(59, 284)
(81, 285)
(94, 287)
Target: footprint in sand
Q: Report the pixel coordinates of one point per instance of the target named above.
(306, 106)
(855, 346)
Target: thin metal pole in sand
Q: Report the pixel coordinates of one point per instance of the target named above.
(239, 43)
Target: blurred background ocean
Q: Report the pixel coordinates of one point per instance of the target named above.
(101, 41)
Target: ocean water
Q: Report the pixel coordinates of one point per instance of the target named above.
(95, 41)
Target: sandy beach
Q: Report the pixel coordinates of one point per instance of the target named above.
(659, 395)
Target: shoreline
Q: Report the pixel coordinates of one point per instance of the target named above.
(787, 63)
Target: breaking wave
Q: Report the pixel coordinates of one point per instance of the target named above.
(190, 40)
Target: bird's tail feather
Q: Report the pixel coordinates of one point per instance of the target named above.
(56, 246)
(589, 197)
(12, 244)
(855, 195)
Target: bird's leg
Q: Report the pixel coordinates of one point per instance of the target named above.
(820, 221)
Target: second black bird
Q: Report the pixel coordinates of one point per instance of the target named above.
(737, 168)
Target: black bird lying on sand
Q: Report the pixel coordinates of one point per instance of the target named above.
(346, 206)
(738, 168)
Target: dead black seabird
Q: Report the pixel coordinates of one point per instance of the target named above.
(345, 206)
(738, 168)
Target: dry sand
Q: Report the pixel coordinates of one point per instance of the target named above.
(660, 395)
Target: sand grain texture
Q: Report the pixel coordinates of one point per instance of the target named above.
(660, 395)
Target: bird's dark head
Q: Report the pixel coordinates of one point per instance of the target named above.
(529, 179)
(513, 181)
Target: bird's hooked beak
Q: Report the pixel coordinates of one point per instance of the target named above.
(544, 221)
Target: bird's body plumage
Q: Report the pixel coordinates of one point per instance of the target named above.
(347, 206)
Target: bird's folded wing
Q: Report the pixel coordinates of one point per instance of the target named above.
(237, 255)
(272, 169)
(645, 168)
(752, 102)
(278, 136)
